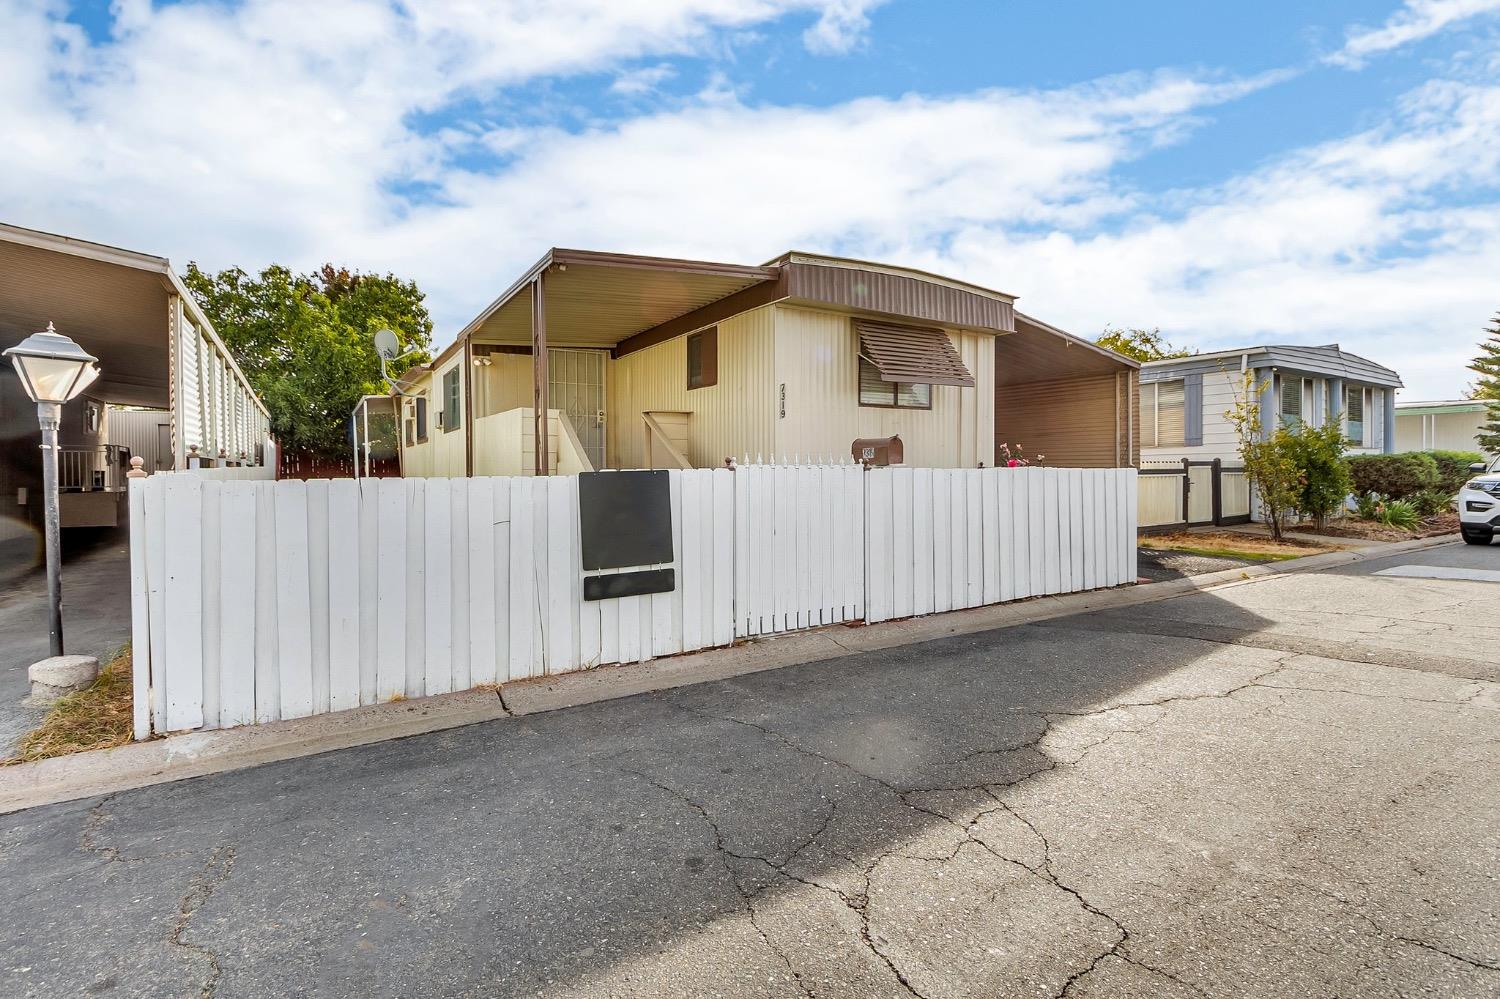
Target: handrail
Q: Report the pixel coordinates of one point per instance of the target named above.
(88, 468)
(655, 428)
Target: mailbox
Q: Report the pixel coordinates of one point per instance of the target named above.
(879, 451)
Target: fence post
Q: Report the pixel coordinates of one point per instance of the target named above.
(1187, 489)
(1218, 488)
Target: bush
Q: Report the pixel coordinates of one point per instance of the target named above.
(1399, 513)
(1395, 475)
(1429, 502)
(1453, 469)
(1324, 473)
(1367, 506)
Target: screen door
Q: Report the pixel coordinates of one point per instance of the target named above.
(575, 381)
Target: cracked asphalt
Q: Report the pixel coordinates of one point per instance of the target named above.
(1283, 788)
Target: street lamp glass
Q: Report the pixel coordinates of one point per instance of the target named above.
(52, 367)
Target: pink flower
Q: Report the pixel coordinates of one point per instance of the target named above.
(1013, 463)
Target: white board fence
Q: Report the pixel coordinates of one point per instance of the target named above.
(254, 601)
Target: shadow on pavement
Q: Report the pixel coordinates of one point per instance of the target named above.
(546, 853)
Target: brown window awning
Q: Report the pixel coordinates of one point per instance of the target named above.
(911, 354)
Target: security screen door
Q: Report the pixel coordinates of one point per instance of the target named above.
(575, 380)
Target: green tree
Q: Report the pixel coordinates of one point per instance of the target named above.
(1323, 470)
(1270, 460)
(1487, 385)
(1143, 345)
(305, 342)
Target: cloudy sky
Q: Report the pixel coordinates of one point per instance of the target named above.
(1231, 173)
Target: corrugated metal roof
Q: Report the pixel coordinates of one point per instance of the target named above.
(901, 295)
(912, 354)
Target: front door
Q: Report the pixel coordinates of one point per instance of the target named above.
(575, 381)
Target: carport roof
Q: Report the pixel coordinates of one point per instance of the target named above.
(113, 302)
(1039, 352)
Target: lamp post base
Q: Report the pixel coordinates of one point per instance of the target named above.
(59, 676)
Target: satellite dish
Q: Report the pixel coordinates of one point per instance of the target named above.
(386, 345)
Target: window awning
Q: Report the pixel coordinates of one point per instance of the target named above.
(911, 354)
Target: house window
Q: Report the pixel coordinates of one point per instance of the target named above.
(703, 358)
(874, 391)
(1291, 403)
(420, 419)
(1354, 406)
(453, 413)
(1162, 414)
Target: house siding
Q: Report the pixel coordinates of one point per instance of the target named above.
(1219, 441)
(1073, 422)
(817, 363)
(730, 418)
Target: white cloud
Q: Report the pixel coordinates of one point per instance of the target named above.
(841, 27)
(642, 81)
(1416, 20)
(217, 134)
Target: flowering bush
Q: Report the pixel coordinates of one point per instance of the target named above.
(1015, 457)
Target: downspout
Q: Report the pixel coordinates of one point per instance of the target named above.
(1117, 419)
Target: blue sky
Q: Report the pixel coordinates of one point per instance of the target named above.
(1232, 173)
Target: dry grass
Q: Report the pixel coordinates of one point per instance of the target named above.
(98, 717)
(1369, 530)
(1231, 544)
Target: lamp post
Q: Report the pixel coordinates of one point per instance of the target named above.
(53, 370)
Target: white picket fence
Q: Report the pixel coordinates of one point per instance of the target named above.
(254, 601)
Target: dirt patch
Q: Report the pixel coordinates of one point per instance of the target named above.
(99, 717)
(1369, 530)
(1232, 545)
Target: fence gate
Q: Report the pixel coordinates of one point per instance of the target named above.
(1186, 493)
(1200, 485)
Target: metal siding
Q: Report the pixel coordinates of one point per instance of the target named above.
(140, 431)
(1072, 421)
(817, 361)
(731, 418)
(894, 294)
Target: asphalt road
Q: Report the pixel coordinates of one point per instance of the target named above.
(1283, 788)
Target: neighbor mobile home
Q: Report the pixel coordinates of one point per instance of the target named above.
(1184, 401)
(647, 362)
(1450, 425)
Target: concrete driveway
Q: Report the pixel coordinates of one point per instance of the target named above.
(1282, 788)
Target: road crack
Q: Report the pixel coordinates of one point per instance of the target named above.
(215, 872)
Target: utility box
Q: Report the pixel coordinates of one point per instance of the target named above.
(878, 451)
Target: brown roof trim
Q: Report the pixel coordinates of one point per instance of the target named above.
(801, 256)
(744, 300)
(900, 296)
(1077, 340)
(678, 265)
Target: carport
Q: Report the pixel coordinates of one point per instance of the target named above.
(1061, 396)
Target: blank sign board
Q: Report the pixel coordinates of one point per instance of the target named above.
(624, 519)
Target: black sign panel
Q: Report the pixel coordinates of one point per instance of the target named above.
(629, 584)
(624, 519)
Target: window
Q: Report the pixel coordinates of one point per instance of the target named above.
(874, 391)
(1291, 402)
(420, 420)
(1354, 406)
(1162, 414)
(453, 412)
(703, 358)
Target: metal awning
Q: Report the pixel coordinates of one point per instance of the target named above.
(911, 354)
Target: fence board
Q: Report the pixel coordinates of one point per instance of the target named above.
(317, 592)
(140, 611)
(343, 582)
(369, 589)
(480, 595)
(182, 675)
(437, 591)
(267, 675)
(394, 498)
(294, 619)
(902, 564)
(212, 551)
(459, 581)
(415, 681)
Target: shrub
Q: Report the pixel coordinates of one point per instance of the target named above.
(1395, 475)
(1453, 468)
(1399, 513)
(1430, 501)
(1367, 506)
(1324, 473)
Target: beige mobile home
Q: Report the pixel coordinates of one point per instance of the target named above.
(1450, 425)
(647, 362)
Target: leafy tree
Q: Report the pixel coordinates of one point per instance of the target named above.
(1487, 385)
(1270, 460)
(1143, 345)
(305, 342)
(1324, 471)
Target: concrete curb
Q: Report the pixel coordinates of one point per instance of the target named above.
(198, 754)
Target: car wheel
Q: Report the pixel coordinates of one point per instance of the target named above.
(1476, 537)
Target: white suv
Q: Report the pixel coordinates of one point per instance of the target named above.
(1479, 504)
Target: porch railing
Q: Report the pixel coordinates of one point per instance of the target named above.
(89, 468)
